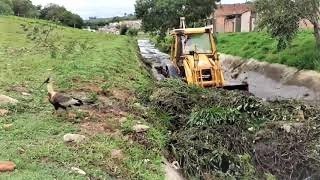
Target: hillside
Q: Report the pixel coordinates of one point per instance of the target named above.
(259, 45)
(105, 70)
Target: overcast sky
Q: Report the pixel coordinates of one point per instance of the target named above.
(101, 8)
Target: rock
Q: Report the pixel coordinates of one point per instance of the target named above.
(7, 126)
(73, 138)
(3, 112)
(25, 94)
(139, 106)
(287, 128)
(140, 128)
(6, 166)
(79, 171)
(251, 129)
(146, 161)
(117, 154)
(300, 116)
(7, 100)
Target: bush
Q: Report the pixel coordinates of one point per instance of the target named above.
(5, 9)
(164, 44)
(132, 32)
(123, 29)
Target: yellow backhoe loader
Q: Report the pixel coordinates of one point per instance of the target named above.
(195, 58)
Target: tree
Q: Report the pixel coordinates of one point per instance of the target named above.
(160, 15)
(58, 13)
(24, 8)
(281, 18)
(5, 8)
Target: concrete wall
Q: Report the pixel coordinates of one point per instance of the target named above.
(229, 25)
(246, 22)
(220, 24)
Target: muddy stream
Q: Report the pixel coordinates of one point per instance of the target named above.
(267, 81)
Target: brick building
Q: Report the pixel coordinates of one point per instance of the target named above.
(240, 18)
(234, 18)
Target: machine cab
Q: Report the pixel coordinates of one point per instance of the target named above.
(194, 52)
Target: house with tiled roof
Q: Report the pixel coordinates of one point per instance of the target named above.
(234, 18)
(240, 18)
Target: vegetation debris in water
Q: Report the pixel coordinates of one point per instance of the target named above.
(219, 134)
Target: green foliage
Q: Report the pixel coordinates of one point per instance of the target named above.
(261, 46)
(5, 8)
(132, 32)
(123, 29)
(60, 14)
(219, 134)
(160, 15)
(24, 8)
(36, 138)
(281, 18)
(214, 116)
(46, 38)
(163, 44)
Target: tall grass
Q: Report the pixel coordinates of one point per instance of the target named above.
(259, 45)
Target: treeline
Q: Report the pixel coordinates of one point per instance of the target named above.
(52, 12)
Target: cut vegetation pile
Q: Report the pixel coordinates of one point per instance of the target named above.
(218, 133)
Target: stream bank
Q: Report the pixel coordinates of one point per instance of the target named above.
(229, 134)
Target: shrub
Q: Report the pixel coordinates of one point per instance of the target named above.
(5, 9)
(132, 32)
(123, 29)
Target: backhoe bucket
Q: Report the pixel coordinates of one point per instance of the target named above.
(240, 87)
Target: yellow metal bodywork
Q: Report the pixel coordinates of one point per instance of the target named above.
(194, 65)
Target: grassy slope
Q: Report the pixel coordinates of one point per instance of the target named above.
(35, 142)
(301, 54)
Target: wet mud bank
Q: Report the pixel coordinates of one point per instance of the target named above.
(272, 81)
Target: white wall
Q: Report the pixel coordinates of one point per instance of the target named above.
(245, 21)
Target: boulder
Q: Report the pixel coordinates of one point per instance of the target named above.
(73, 138)
(78, 171)
(7, 126)
(3, 112)
(6, 166)
(7, 100)
(140, 128)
